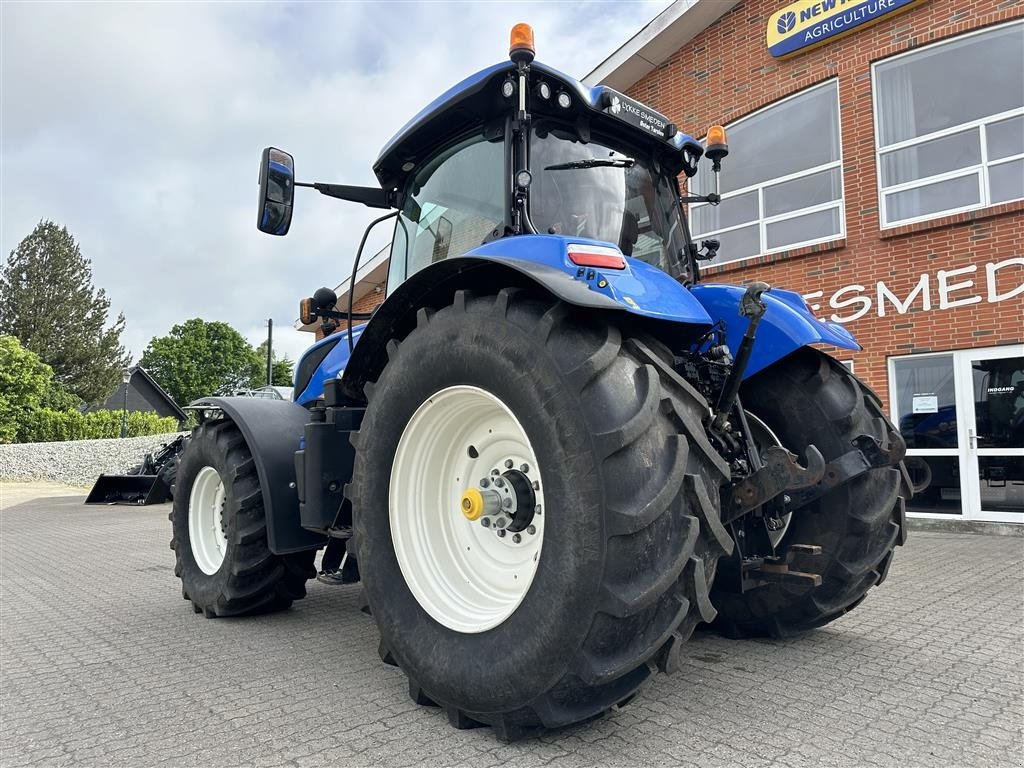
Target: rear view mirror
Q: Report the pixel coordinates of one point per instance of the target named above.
(277, 192)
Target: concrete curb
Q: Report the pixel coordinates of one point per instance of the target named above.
(976, 527)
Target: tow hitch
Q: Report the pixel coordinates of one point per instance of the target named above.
(779, 473)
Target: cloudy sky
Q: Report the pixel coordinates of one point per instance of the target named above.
(140, 126)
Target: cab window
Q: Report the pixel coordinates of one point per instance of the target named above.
(454, 204)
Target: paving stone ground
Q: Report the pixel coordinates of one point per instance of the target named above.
(103, 663)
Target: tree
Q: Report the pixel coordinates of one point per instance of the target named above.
(282, 369)
(47, 300)
(199, 358)
(24, 381)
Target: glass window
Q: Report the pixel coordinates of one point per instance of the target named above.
(782, 161)
(1007, 181)
(1001, 483)
(454, 205)
(942, 493)
(999, 402)
(933, 198)
(926, 401)
(949, 116)
(591, 190)
(740, 210)
(810, 227)
(803, 192)
(930, 158)
(1005, 138)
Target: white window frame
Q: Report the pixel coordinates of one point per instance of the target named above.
(981, 170)
(762, 221)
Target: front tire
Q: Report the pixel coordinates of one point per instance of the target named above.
(220, 531)
(627, 536)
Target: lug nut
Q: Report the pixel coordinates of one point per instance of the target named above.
(499, 483)
(495, 472)
(484, 483)
(500, 522)
(507, 502)
(501, 533)
(485, 522)
(524, 468)
(536, 510)
(531, 529)
(516, 538)
(536, 485)
(508, 463)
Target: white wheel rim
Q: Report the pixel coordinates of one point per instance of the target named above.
(765, 437)
(462, 573)
(206, 520)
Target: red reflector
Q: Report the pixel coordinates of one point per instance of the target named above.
(596, 256)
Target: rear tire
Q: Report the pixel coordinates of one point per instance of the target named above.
(810, 398)
(632, 531)
(223, 560)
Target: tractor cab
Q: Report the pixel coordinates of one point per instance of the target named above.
(521, 148)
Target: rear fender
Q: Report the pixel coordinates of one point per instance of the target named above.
(786, 326)
(272, 430)
(639, 290)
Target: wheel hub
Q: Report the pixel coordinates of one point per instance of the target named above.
(503, 501)
(466, 508)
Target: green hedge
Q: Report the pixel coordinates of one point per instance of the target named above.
(44, 426)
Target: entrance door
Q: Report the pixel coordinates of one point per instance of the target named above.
(962, 415)
(994, 415)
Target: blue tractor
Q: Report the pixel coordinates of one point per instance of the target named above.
(552, 451)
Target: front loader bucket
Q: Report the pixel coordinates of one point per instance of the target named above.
(129, 489)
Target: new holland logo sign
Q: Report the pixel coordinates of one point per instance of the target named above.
(809, 23)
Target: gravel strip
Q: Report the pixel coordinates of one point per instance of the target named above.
(76, 462)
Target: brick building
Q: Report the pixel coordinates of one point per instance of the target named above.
(880, 173)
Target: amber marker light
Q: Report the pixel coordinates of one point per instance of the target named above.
(306, 316)
(717, 147)
(521, 47)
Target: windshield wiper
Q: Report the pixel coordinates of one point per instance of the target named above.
(594, 162)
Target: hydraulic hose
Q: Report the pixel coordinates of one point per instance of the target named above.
(355, 268)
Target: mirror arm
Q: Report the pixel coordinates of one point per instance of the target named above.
(338, 315)
(373, 197)
(711, 197)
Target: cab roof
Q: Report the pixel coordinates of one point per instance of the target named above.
(477, 101)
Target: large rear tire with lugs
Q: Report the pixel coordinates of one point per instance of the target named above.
(536, 512)
(810, 398)
(220, 531)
